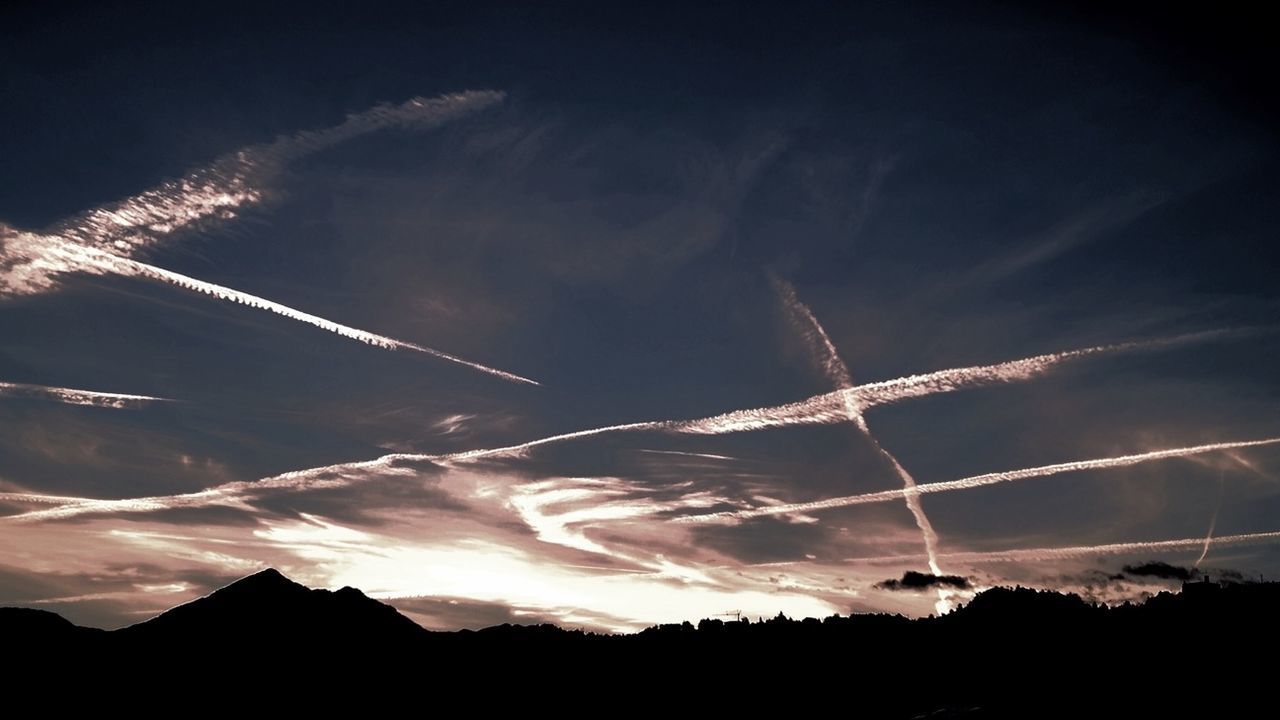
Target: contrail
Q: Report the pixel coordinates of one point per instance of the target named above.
(37, 499)
(382, 341)
(86, 257)
(232, 494)
(833, 407)
(509, 450)
(1062, 553)
(217, 191)
(942, 381)
(708, 456)
(103, 240)
(975, 481)
(347, 473)
(838, 373)
(73, 396)
(1213, 521)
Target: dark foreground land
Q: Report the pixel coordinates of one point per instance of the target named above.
(1208, 651)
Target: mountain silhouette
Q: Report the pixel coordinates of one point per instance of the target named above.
(1010, 652)
(269, 607)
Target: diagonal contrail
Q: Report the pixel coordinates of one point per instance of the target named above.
(217, 191)
(102, 241)
(232, 494)
(73, 396)
(382, 341)
(975, 481)
(832, 408)
(838, 373)
(108, 263)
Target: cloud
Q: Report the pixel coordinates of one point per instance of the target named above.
(454, 613)
(915, 581)
(1159, 569)
(111, 594)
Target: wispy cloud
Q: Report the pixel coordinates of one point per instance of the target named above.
(562, 510)
(1078, 229)
(73, 396)
(977, 481)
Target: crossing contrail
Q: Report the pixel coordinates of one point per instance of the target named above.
(73, 396)
(943, 381)
(838, 373)
(833, 407)
(975, 481)
(830, 410)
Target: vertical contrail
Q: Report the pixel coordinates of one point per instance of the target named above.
(217, 191)
(838, 373)
(1213, 521)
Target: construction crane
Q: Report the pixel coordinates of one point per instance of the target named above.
(737, 614)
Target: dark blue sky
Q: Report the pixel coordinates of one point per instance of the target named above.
(940, 185)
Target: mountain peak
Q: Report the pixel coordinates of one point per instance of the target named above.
(270, 577)
(268, 605)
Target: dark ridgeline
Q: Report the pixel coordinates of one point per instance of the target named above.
(268, 605)
(1008, 653)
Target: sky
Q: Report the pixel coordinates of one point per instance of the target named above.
(616, 315)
